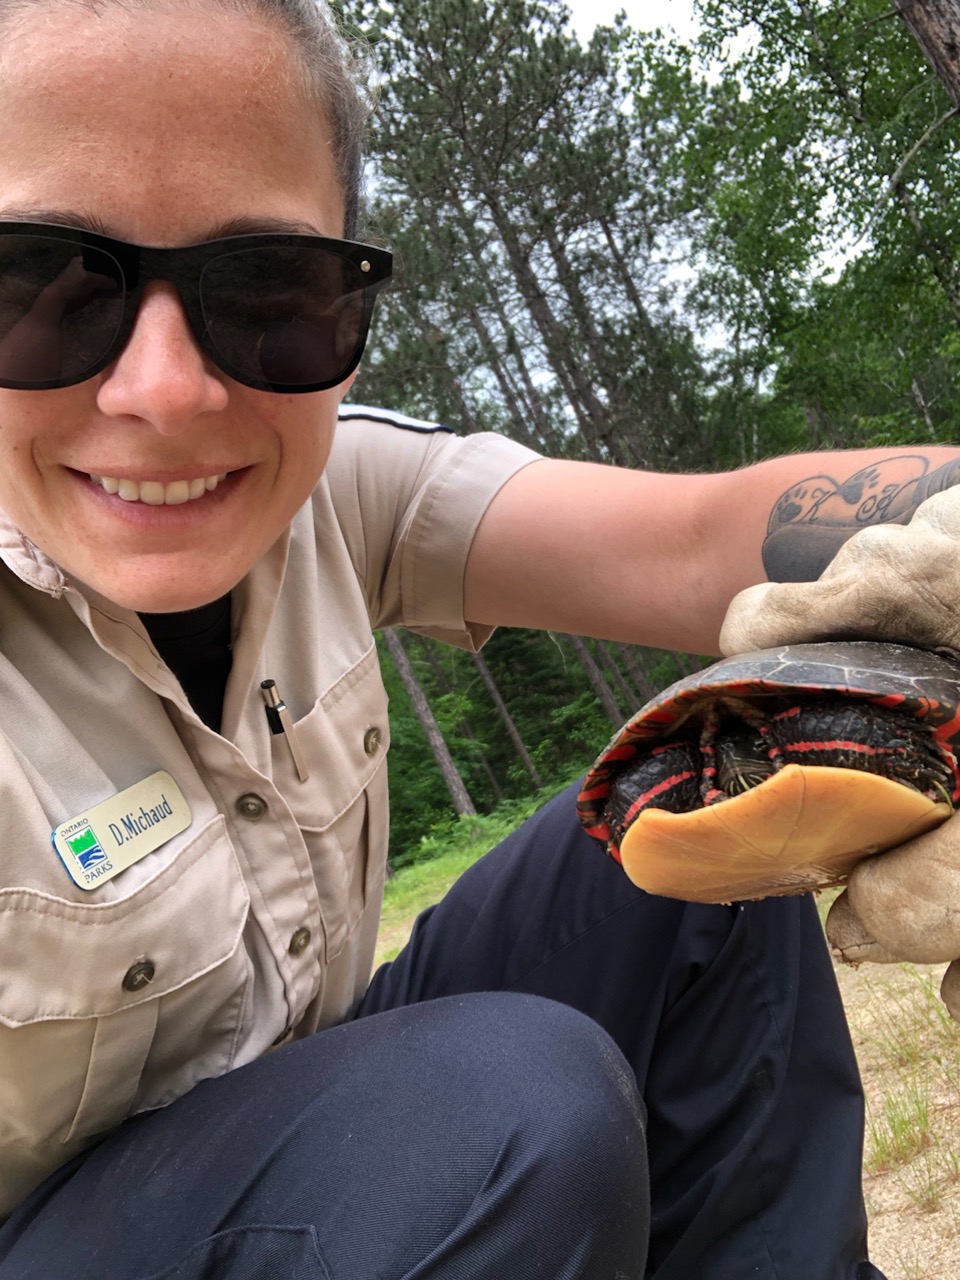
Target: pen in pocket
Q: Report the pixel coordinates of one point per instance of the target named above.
(280, 721)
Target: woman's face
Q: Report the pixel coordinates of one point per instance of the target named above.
(163, 126)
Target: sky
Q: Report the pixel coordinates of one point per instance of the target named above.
(643, 14)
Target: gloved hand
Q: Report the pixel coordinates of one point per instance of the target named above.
(897, 583)
(892, 582)
(905, 905)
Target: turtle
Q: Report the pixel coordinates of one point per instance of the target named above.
(777, 771)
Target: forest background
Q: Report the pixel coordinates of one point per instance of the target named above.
(641, 252)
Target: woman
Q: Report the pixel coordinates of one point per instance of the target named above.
(191, 703)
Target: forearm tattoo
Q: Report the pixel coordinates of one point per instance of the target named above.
(811, 521)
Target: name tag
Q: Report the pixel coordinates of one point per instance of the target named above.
(113, 835)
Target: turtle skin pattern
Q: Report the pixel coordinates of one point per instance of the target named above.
(883, 708)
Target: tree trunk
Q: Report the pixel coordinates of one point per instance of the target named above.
(430, 650)
(599, 686)
(451, 774)
(536, 422)
(935, 25)
(930, 21)
(610, 663)
(486, 675)
(644, 686)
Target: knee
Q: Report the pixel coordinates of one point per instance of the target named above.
(557, 1087)
(568, 1124)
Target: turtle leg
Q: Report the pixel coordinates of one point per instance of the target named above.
(666, 777)
(730, 760)
(710, 793)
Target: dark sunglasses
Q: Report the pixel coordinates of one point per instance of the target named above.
(286, 313)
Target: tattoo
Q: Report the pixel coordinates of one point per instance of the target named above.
(811, 521)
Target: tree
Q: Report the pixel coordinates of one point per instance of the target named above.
(609, 253)
(826, 132)
(935, 24)
(451, 774)
(511, 181)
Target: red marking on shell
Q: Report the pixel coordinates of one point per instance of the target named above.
(929, 691)
(598, 792)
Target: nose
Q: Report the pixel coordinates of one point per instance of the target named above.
(161, 376)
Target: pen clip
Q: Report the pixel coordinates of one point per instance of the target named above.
(280, 721)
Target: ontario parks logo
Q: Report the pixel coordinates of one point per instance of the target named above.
(86, 848)
(111, 836)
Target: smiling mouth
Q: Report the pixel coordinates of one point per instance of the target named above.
(156, 494)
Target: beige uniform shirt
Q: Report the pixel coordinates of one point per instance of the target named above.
(258, 922)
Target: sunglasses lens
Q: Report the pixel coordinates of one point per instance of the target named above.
(287, 315)
(61, 306)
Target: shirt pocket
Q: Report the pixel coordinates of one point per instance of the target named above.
(85, 987)
(342, 811)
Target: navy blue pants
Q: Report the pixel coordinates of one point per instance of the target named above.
(703, 1121)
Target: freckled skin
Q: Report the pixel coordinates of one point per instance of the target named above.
(160, 125)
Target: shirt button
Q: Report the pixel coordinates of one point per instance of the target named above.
(251, 807)
(139, 975)
(371, 740)
(299, 942)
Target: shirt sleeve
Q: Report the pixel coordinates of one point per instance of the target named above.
(409, 497)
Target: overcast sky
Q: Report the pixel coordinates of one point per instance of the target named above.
(643, 14)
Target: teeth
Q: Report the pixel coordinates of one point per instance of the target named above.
(156, 494)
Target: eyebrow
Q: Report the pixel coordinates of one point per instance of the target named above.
(58, 217)
(239, 226)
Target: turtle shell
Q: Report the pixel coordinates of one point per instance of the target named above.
(807, 824)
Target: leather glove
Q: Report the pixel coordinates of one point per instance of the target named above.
(892, 582)
(898, 583)
(905, 905)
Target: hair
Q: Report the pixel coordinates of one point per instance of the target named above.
(335, 77)
(337, 81)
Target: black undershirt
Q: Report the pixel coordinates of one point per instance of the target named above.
(195, 645)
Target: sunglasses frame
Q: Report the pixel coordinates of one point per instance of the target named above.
(182, 267)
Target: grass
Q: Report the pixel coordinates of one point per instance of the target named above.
(445, 857)
(908, 1047)
(901, 1130)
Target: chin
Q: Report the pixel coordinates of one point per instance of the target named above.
(168, 597)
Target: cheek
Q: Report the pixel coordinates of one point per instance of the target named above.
(304, 427)
(19, 439)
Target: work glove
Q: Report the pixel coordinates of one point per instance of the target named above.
(894, 582)
(898, 583)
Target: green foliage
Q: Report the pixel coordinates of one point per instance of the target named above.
(825, 242)
(644, 253)
(526, 210)
(560, 723)
(445, 857)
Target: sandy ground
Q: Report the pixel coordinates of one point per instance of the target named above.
(909, 1054)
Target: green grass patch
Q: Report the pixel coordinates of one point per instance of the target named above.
(442, 858)
(902, 1129)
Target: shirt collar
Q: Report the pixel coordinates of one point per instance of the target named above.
(27, 561)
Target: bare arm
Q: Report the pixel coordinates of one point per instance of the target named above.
(655, 559)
